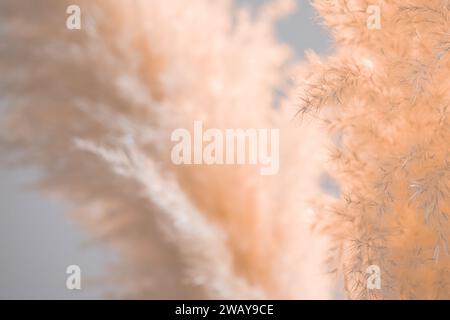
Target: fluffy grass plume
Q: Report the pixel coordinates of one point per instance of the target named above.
(94, 109)
(384, 95)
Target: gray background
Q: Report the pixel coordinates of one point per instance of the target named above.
(38, 240)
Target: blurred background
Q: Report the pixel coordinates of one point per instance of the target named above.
(38, 240)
